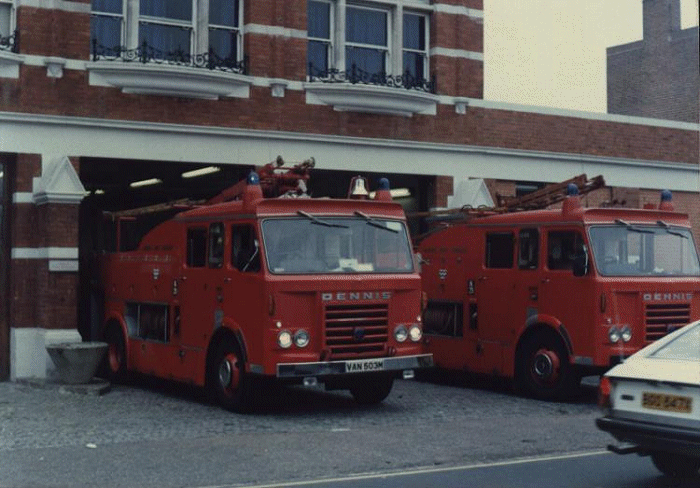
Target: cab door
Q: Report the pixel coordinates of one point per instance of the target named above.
(565, 297)
(200, 293)
(528, 281)
(495, 291)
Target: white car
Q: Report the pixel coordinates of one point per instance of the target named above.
(652, 403)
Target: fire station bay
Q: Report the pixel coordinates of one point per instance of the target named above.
(112, 105)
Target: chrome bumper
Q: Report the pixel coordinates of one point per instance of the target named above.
(370, 365)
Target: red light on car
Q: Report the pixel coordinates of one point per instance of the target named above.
(604, 392)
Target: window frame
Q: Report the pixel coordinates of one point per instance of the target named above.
(173, 22)
(329, 42)
(236, 29)
(426, 40)
(11, 24)
(199, 53)
(358, 45)
(395, 10)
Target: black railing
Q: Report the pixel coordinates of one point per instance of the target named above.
(10, 43)
(358, 75)
(145, 53)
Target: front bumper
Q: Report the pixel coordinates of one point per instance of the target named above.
(651, 436)
(349, 367)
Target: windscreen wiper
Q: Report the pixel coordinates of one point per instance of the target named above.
(317, 221)
(668, 229)
(374, 223)
(633, 228)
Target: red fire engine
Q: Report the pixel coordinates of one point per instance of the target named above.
(548, 296)
(244, 286)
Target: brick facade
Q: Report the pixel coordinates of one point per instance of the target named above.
(39, 297)
(657, 76)
(275, 45)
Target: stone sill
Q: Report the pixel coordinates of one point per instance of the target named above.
(168, 80)
(348, 97)
(9, 64)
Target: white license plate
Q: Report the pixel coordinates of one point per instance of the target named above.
(364, 365)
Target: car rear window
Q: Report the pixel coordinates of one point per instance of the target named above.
(685, 346)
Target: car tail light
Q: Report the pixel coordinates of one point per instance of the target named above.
(604, 393)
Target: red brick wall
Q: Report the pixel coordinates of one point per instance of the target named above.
(54, 32)
(444, 187)
(657, 76)
(457, 32)
(40, 298)
(288, 13)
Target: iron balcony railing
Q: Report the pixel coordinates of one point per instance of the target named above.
(357, 75)
(146, 53)
(10, 43)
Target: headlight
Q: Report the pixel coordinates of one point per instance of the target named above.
(301, 338)
(284, 339)
(613, 334)
(400, 333)
(415, 333)
(626, 333)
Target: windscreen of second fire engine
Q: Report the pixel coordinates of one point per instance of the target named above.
(644, 250)
(320, 244)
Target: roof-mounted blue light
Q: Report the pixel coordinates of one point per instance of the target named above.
(571, 190)
(666, 196)
(384, 184)
(253, 178)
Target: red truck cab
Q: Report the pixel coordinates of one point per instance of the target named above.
(297, 289)
(548, 296)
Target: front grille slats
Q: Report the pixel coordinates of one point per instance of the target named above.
(356, 330)
(662, 318)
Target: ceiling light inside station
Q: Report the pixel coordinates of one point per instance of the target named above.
(152, 181)
(201, 172)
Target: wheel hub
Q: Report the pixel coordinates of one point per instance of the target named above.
(228, 372)
(545, 365)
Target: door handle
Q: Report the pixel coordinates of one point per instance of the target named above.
(545, 280)
(483, 278)
(227, 280)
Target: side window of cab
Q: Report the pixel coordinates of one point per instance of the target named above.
(196, 247)
(499, 250)
(245, 248)
(562, 249)
(216, 245)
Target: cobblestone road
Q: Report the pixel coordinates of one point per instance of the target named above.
(420, 424)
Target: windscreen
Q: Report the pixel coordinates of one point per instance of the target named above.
(644, 250)
(317, 244)
(684, 346)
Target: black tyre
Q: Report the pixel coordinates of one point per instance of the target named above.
(370, 391)
(542, 368)
(676, 465)
(115, 359)
(226, 382)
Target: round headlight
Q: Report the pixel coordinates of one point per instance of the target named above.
(400, 333)
(284, 339)
(301, 338)
(415, 333)
(613, 334)
(626, 333)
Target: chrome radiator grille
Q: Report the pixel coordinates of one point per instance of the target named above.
(356, 330)
(664, 318)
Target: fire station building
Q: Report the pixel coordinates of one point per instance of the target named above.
(114, 104)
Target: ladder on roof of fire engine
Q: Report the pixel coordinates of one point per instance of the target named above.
(539, 199)
(549, 195)
(275, 180)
